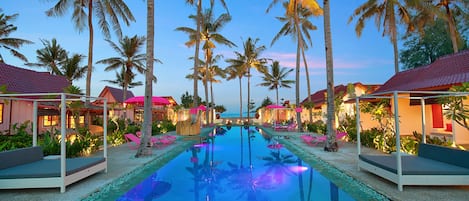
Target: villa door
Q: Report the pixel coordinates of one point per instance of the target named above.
(437, 116)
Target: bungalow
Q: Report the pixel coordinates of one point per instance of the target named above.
(346, 93)
(445, 72)
(19, 80)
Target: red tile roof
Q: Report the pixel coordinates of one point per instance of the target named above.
(439, 75)
(20, 80)
(319, 97)
(118, 94)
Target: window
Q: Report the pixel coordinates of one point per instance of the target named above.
(71, 121)
(51, 120)
(1, 113)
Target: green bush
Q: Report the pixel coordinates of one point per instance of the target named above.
(159, 127)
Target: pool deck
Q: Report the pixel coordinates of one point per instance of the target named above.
(122, 163)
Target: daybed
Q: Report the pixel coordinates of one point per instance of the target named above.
(434, 165)
(27, 168)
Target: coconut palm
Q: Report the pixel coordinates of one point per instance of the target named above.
(7, 43)
(446, 10)
(235, 70)
(197, 40)
(300, 19)
(71, 68)
(119, 81)
(331, 144)
(250, 58)
(50, 56)
(385, 13)
(145, 148)
(209, 35)
(276, 77)
(129, 59)
(107, 12)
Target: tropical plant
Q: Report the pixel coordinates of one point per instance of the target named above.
(447, 10)
(387, 13)
(83, 12)
(276, 77)
(247, 60)
(145, 148)
(7, 43)
(297, 25)
(420, 50)
(457, 110)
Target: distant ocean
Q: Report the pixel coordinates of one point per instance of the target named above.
(234, 115)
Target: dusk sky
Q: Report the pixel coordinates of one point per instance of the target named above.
(368, 59)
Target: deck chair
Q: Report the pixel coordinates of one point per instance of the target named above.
(133, 141)
(313, 141)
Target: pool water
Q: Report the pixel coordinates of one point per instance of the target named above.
(236, 163)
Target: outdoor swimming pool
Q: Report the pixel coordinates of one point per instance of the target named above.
(236, 164)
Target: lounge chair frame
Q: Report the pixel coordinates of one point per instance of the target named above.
(398, 177)
(64, 179)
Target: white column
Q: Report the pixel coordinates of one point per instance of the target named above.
(34, 123)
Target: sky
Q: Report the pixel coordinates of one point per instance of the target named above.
(368, 59)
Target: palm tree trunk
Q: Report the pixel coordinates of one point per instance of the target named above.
(330, 145)
(212, 101)
(297, 72)
(124, 96)
(196, 54)
(308, 83)
(249, 93)
(452, 29)
(90, 63)
(240, 100)
(145, 146)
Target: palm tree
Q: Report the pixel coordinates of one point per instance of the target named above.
(112, 11)
(236, 70)
(119, 81)
(129, 59)
(71, 68)
(297, 25)
(145, 148)
(445, 9)
(56, 60)
(197, 40)
(385, 12)
(10, 44)
(50, 57)
(331, 144)
(209, 34)
(276, 78)
(247, 60)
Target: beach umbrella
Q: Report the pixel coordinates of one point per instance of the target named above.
(156, 100)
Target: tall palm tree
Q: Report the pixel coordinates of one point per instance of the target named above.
(129, 59)
(119, 81)
(250, 58)
(7, 43)
(50, 57)
(297, 25)
(331, 144)
(276, 78)
(145, 148)
(385, 12)
(113, 11)
(236, 70)
(209, 35)
(197, 40)
(445, 9)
